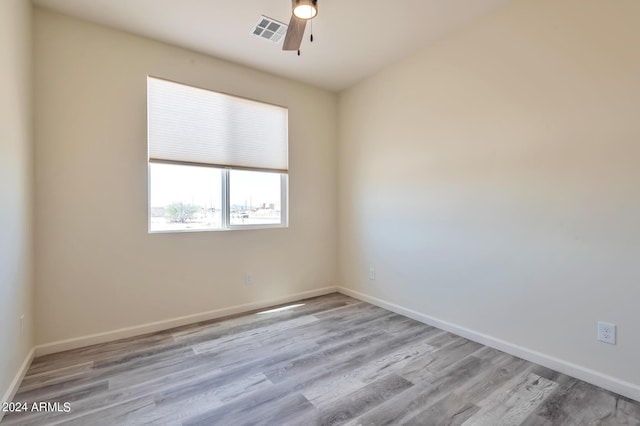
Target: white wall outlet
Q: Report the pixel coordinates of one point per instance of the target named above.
(372, 274)
(22, 325)
(248, 278)
(607, 332)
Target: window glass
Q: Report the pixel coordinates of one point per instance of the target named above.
(255, 198)
(184, 197)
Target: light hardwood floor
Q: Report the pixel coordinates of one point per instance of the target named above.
(324, 361)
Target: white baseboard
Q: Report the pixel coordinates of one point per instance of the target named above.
(79, 342)
(613, 384)
(15, 384)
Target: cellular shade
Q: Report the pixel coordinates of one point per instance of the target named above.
(191, 125)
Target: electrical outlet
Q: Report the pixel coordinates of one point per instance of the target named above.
(372, 274)
(248, 278)
(607, 332)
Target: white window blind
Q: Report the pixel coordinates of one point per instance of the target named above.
(196, 126)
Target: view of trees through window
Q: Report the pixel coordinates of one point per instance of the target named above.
(191, 198)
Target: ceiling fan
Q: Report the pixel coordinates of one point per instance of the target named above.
(302, 11)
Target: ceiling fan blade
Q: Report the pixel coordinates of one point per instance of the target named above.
(295, 32)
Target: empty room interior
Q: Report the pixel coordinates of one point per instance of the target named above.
(277, 212)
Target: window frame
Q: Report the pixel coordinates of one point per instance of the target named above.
(226, 203)
(225, 171)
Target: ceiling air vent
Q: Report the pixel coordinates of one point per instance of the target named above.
(269, 29)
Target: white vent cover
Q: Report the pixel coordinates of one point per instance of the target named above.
(269, 29)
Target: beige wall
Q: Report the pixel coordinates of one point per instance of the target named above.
(492, 179)
(97, 267)
(16, 193)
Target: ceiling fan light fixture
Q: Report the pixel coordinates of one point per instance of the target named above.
(305, 9)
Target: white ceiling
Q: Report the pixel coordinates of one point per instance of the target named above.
(352, 38)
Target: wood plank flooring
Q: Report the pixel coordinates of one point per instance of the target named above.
(330, 360)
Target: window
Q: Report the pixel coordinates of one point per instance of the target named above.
(216, 162)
